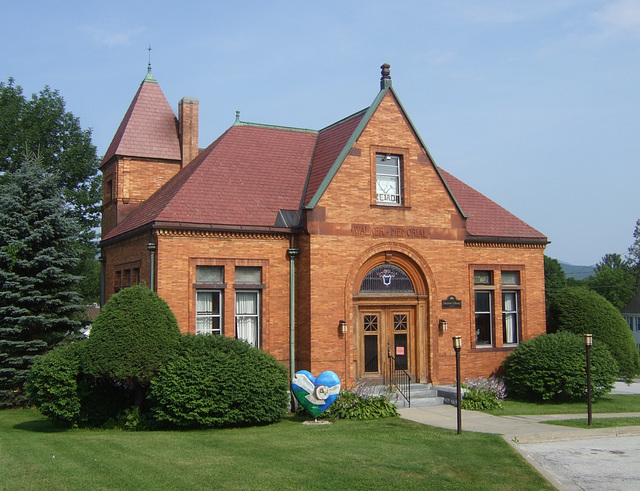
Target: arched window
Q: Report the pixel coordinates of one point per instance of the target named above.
(386, 278)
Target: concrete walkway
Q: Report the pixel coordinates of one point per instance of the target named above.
(519, 429)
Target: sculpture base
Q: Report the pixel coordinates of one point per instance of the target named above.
(317, 423)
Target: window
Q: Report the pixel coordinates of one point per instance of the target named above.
(209, 284)
(109, 191)
(510, 307)
(510, 317)
(126, 275)
(484, 317)
(483, 278)
(208, 312)
(483, 308)
(492, 286)
(248, 304)
(388, 179)
(248, 317)
(386, 278)
(209, 274)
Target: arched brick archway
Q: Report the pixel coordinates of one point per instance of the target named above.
(387, 320)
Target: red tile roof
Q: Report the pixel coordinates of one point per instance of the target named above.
(241, 180)
(246, 176)
(148, 129)
(486, 219)
(331, 141)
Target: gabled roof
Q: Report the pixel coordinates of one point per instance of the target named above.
(258, 177)
(633, 307)
(149, 128)
(241, 182)
(486, 220)
(332, 144)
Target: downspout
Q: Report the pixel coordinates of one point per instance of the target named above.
(103, 281)
(151, 247)
(293, 252)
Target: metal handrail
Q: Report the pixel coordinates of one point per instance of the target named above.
(399, 379)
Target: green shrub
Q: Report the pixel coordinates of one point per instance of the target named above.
(132, 338)
(60, 390)
(215, 381)
(52, 384)
(102, 401)
(583, 311)
(552, 367)
(352, 405)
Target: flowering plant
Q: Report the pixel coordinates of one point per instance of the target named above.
(484, 393)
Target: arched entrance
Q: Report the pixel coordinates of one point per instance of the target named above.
(390, 309)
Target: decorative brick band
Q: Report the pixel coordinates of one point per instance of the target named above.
(218, 234)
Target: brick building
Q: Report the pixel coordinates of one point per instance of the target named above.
(341, 246)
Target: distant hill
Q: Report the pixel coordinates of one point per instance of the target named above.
(577, 272)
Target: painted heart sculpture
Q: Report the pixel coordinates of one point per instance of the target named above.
(315, 394)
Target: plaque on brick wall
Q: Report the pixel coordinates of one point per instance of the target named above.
(452, 303)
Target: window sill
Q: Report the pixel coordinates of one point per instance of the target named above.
(392, 207)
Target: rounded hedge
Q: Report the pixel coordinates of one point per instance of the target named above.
(583, 311)
(52, 383)
(215, 381)
(552, 367)
(60, 390)
(132, 338)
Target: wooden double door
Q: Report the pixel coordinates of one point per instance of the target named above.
(386, 340)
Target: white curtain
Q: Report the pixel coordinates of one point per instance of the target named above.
(510, 316)
(208, 312)
(247, 317)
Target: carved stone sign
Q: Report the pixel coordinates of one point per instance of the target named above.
(452, 303)
(361, 230)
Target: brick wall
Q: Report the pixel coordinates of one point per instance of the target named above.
(131, 181)
(346, 232)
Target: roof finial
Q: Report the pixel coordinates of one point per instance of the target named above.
(385, 80)
(150, 77)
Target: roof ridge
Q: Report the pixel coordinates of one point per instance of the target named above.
(273, 126)
(347, 118)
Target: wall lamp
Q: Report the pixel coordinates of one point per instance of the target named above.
(343, 327)
(442, 324)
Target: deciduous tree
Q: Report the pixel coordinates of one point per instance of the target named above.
(614, 280)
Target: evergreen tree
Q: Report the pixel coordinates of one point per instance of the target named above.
(42, 124)
(39, 305)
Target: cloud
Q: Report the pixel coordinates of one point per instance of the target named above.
(619, 17)
(508, 12)
(111, 38)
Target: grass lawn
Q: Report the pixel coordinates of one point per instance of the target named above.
(618, 403)
(383, 454)
(596, 422)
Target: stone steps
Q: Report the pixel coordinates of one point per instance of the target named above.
(421, 395)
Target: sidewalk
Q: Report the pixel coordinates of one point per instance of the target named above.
(518, 429)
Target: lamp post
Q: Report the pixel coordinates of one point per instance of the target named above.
(457, 346)
(588, 341)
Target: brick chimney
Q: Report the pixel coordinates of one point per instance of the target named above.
(188, 128)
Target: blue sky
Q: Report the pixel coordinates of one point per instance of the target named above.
(533, 103)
